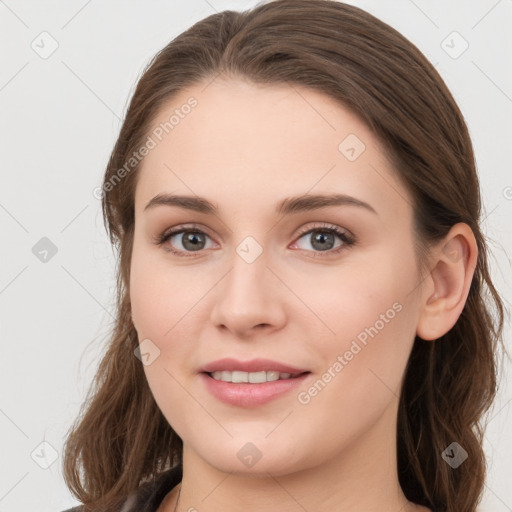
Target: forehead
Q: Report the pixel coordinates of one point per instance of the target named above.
(247, 145)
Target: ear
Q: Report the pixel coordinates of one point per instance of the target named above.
(446, 288)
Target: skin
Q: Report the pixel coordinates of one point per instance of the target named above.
(245, 147)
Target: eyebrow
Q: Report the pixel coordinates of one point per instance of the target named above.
(287, 206)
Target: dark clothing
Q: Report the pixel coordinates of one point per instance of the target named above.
(149, 495)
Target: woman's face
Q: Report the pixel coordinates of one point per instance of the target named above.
(264, 276)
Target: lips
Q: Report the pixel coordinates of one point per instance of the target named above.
(247, 395)
(254, 365)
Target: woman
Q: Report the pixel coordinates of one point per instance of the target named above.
(301, 319)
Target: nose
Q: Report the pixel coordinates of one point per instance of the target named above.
(249, 298)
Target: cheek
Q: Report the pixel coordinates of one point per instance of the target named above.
(160, 297)
(165, 303)
(363, 363)
(372, 316)
(157, 293)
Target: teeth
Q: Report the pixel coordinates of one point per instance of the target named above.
(252, 377)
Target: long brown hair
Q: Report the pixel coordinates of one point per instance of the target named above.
(121, 438)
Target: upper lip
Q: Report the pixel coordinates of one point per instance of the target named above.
(254, 365)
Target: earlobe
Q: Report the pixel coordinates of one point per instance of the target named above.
(447, 286)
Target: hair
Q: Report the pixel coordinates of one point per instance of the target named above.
(121, 438)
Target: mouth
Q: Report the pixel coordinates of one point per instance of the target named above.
(260, 377)
(249, 390)
(251, 383)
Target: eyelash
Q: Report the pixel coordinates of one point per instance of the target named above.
(348, 240)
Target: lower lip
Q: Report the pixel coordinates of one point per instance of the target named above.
(250, 395)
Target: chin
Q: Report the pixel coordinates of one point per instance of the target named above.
(257, 458)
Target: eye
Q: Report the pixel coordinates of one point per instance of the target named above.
(322, 239)
(183, 241)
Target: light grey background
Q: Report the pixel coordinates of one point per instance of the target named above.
(60, 118)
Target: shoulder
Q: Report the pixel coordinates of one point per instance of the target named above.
(150, 494)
